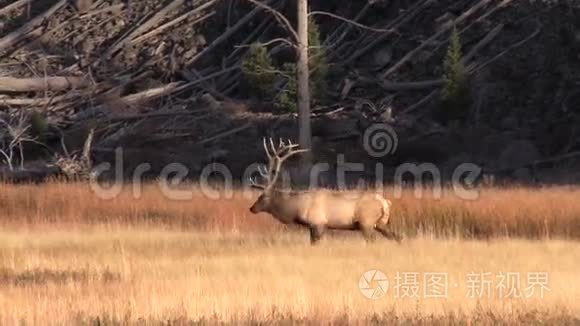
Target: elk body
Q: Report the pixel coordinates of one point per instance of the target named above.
(320, 210)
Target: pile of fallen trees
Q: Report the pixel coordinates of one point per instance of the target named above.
(136, 74)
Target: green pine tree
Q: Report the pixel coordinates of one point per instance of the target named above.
(259, 72)
(456, 99)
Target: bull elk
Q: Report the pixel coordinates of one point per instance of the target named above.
(318, 210)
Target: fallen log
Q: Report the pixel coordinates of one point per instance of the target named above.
(481, 44)
(29, 102)
(534, 165)
(340, 32)
(399, 86)
(55, 84)
(29, 175)
(150, 94)
(150, 23)
(133, 99)
(225, 134)
(222, 38)
(426, 84)
(259, 30)
(134, 117)
(466, 14)
(411, 86)
(14, 5)
(11, 39)
(176, 21)
(410, 14)
(511, 47)
(45, 36)
(421, 102)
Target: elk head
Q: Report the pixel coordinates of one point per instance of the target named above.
(276, 156)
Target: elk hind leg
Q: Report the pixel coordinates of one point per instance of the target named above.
(389, 234)
(316, 232)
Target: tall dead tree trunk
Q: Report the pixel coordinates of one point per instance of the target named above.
(303, 75)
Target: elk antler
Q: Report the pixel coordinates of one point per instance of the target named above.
(276, 156)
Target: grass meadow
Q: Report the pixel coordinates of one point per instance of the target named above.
(69, 257)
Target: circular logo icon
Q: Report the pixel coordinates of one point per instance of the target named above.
(380, 139)
(373, 284)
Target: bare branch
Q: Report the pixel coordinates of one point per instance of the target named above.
(283, 20)
(352, 22)
(270, 42)
(16, 134)
(87, 147)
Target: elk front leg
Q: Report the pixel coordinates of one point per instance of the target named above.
(391, 235)
(316, 232)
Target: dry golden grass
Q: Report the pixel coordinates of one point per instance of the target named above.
(67, 257)
(513, 212)
(124, 276)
